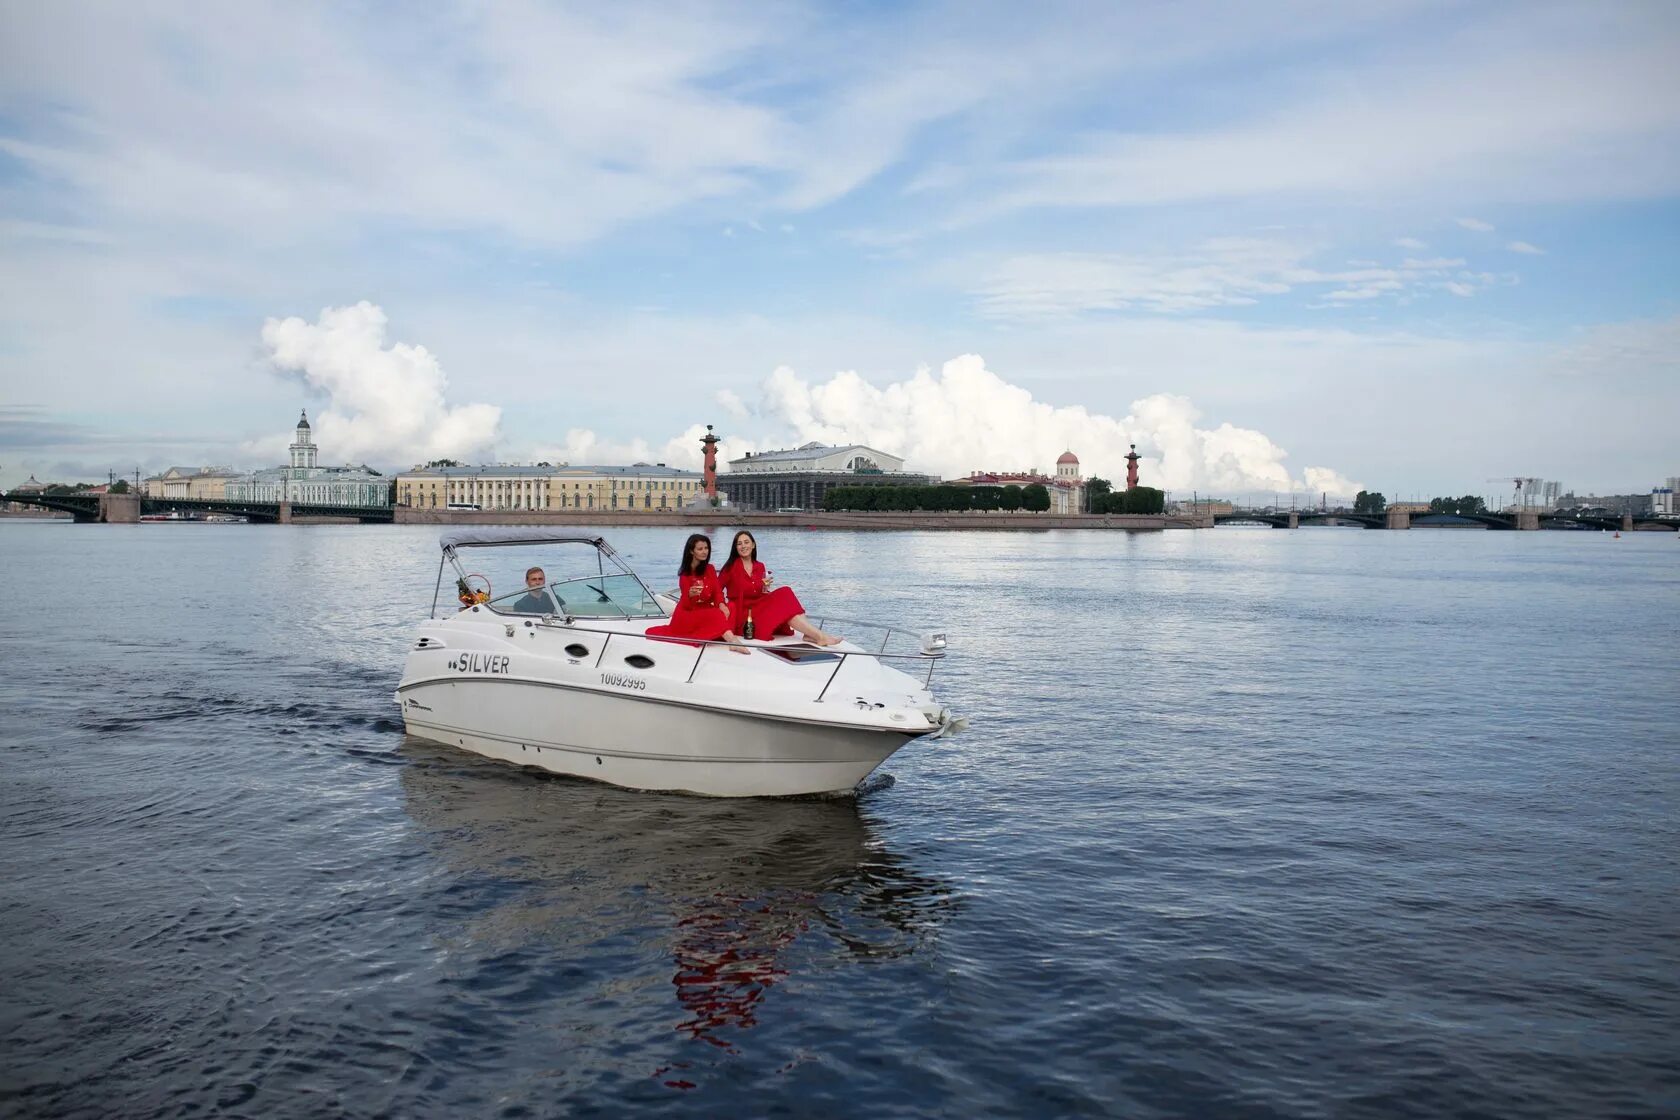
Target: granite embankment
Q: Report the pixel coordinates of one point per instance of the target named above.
(895, 519)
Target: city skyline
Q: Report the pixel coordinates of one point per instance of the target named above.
(1406, 247)
(1519, 492)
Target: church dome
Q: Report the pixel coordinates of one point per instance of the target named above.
(303, 419)
(1067, 457)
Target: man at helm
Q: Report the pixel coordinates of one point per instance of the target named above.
(536, 599)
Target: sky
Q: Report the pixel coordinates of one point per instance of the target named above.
(1290, 247)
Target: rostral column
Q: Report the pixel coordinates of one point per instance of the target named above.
(710, 441)
(1131, 468)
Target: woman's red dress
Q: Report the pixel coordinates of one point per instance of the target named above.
(770, 610)
(697, 614)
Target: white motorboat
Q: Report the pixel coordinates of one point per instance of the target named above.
(565, 678)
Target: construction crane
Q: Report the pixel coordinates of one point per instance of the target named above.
(1526, 491)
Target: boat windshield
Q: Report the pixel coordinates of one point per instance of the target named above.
(538, 573)
(598, 596)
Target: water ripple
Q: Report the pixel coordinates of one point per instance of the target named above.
(1250, 825)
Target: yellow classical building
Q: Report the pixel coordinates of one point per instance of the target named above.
(641, 486)
(197, 483)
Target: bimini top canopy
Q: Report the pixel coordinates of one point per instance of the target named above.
(491, 537)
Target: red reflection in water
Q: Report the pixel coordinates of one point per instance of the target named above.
(726, 962)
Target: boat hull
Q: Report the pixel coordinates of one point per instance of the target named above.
(642, 743)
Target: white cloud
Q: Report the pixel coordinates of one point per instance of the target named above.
(241, 121)
(1643, 354)
(1309, 389)
(966, 418)
(269, 155)
(1224, 272)
(385, 404)
(583, 446)
(1525, 247)
(731, 402)
(48, 232)
(1526, 115)
(1322, 480)
(1475, 224)
(462, 119)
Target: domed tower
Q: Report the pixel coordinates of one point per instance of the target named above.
(1067, 466)
(303, 447)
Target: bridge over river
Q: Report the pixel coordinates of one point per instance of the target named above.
(128, 508)
(1404, 519)
(117, 509)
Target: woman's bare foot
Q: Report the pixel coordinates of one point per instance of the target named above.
(736, 645)
(811, 634)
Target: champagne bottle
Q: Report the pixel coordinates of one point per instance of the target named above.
(747, 631)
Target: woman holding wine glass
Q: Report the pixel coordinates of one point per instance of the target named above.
(755, 600)
(700, 611)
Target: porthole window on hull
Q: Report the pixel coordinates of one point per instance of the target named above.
(639, 661)
(577, 649)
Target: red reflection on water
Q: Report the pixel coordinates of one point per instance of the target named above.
(726, 962)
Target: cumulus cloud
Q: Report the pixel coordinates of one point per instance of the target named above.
(731, 402)
(1525, 247)
(1322, 480)
(385, 404)
(967, 418)
(583, 446)
(1475, 224)
(1410, 243)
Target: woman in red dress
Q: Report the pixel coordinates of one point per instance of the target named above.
(700, 612)
(773, 610)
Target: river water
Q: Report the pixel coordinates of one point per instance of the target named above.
(1248, 823)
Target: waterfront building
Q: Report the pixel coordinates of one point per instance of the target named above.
(203, 484)
(819, 457)
(1205, 506)
(1067, 488)
(799, 477)
(546, 486)
(305, 481)
(1662, 500)
(210, 485)
(1604, 505)
(33, 486)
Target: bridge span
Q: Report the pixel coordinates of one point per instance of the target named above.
(1403, 519)
(116, 509)
(122, 509)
